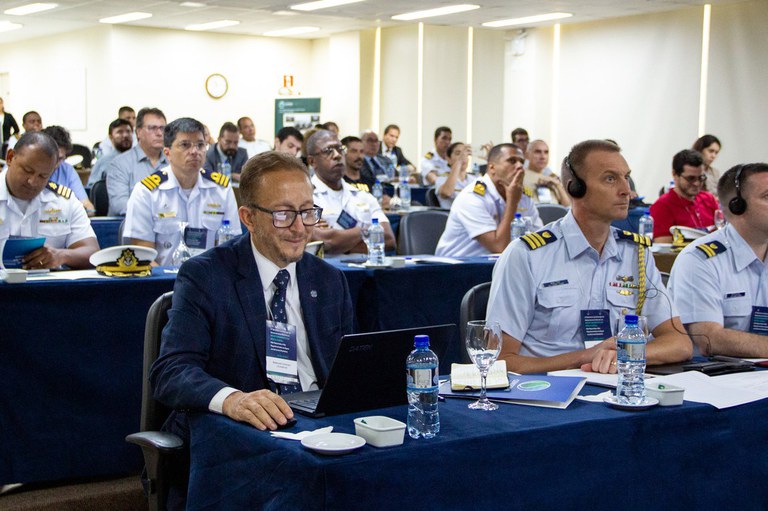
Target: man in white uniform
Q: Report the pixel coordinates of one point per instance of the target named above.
(435, 163)
(181, 192)
(347, 211)
(555, 289)
(720, 282)
(481, 216)
(249, 141)
(31, 205)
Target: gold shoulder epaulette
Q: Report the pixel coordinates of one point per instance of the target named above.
(634, 238)
(538, 239)
(429, 155)
(217, 177)
(155, 179)
(479, 188)
(527, 191)
(58, 189)
(712, 248)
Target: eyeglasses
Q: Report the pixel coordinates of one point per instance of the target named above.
(284, 218)
(153, 127)
(692, 179)
(328, 151)
(187, 146)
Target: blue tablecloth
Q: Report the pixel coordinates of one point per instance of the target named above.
(71, 359)
(585, 457)
(106, 229)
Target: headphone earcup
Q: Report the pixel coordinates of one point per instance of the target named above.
(737, 205)
(576, 187)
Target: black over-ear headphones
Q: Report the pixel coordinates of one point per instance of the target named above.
(576, 186)
(738, 205)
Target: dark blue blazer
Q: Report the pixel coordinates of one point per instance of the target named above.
(216, 334)
(212, 159)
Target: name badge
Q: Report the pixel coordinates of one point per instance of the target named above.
(758, 323)
(282, 365)
(196, 237)
(596, 324)
(345, 220)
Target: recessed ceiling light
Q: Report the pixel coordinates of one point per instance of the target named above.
(291, 31)
(7, 26)
(191, 4)
(23, 10)
(440, 11)
(212, 25)
(528, 19)
(285, 13)
(322, 4)
(125, 18)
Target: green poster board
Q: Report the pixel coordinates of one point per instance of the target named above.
(301, 113)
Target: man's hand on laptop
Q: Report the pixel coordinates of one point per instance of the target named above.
(262, 409)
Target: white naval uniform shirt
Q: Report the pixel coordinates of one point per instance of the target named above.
(719, 285)
(434, 163)
(473, 214)
(360, 205)
(537, 295)
(154, 215)
(61, 220)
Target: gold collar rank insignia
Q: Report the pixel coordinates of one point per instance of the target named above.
(712, 248)
(536, 240)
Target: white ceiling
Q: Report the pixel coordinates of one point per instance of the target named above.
(259, 16)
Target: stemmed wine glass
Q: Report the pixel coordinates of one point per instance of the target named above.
(182, 253)
(483, 345)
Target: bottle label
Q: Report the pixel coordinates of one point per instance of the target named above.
(422, 378)
(630, 350)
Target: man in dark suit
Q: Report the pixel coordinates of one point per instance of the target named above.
(226, 157)
(390, 149)
(232, 302)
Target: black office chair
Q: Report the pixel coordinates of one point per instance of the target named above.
(162, 450)
(100, 198)
(432, 200)
(420, 231)
(473, 307)
(83, 151)
(551, 212)
(664, 278)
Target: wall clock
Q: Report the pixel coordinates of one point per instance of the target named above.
(216, 85)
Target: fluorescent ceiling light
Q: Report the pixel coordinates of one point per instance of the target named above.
(322, 4)
(30, 9)
(191, 4)
(285, 13)
(440, 11)
(7, 26)
(212, 25)
(291, 31)
(528, 19)
(125, 18)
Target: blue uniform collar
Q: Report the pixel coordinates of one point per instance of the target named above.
(742, 253)
(577, 243)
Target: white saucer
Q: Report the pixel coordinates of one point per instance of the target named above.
(334, 443)
(613, 402)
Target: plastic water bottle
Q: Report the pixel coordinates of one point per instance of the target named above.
(405, 195)
(630, 355)
(518, 226)
(378, 191)
(224, 233)
(422, 384)
(375, 243)
(646, 226)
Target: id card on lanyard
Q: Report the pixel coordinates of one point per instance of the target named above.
(758, 323)
(596, 324)
(282, 354)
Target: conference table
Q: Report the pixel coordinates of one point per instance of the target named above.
(71, 363)
(587, 456)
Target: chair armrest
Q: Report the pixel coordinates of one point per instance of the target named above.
(159, 440)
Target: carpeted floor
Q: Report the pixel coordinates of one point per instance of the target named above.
(122, 494)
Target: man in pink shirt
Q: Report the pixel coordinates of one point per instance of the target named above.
(686, 204)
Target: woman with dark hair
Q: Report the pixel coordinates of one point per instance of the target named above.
(448, 186)
(709, 147)
(8, 128)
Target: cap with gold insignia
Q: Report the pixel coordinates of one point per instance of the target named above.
(124, 261)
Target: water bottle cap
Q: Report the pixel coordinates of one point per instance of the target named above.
(378, 182)
(421, 341)
(405, 181)
(630, 319)
(375, 221)
(225, 222)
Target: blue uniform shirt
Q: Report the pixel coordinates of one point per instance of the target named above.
(537, 295)
(719, 285)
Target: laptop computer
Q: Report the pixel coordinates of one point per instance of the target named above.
(368, 372)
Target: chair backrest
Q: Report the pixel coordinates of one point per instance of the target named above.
(100, 197)
(120, 233)
(153, 414)
(551, 212)
(83, 151)
(420, 231)
(473, 306)
(432, 200)
(664, 278)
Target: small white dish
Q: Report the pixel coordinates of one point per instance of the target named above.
(333, 443)
(380, 431)
(15, 275)
(387, 264)
(649, 402)
(667, 394)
